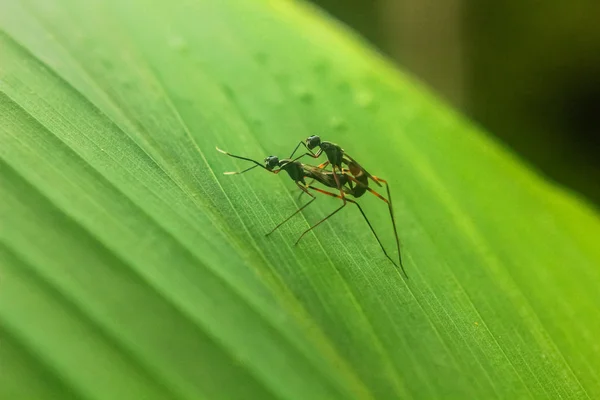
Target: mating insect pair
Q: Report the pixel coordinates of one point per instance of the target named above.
(346, 175)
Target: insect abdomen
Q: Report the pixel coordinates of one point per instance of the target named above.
(361, 188)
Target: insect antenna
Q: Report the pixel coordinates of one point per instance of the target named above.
(239, 172)
(245, 159)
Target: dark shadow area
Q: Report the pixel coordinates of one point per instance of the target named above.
(528, 72)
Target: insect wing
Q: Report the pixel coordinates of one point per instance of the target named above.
(361, 168)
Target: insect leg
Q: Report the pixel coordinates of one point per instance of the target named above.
(338, 209)
(388, 201)
(390, 206)
(304, 190)
(324, 219)
(338, 184)
(296, 148)
(302, 143)
(310, 154)
(323, 165)
(320, 166)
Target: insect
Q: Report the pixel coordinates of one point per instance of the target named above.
(337, 157)
(351, 185)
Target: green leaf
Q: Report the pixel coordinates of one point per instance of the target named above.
(133, 269)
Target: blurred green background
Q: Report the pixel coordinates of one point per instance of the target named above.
(527, 71)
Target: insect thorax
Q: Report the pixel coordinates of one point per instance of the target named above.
(294, 169)
(334, 153)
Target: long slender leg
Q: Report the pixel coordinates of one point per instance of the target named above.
(320, 166)
(338, 209)
(337, 183)
(296, 148)
(301, 143)
(310, 154)
(304, 190)
(327, 217)
(389, 204)
(358, 183)
(323, 164)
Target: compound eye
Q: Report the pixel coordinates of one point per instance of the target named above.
(271, 162)
(313, 141)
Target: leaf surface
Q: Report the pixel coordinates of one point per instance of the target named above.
(132, 268)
